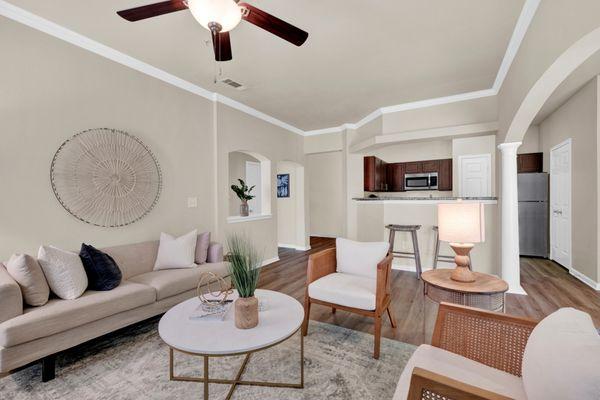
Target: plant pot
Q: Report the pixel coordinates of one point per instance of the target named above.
(246, 312)
(244, 209)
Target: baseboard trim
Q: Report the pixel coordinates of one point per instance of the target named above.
(269, 261)
(293, 246)
(517, 290)
(324, 236)
(588, 281)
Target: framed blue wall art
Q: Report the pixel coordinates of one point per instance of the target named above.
(283, 185)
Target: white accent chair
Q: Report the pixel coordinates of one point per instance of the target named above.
(482, 355)
(354, 277)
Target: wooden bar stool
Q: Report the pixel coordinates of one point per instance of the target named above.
(441, 257)
(403, 254)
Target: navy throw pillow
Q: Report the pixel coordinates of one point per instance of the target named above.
(102, 271)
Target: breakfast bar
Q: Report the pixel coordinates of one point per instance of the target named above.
(375, 213)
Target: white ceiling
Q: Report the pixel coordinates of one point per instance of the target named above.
(360, 55)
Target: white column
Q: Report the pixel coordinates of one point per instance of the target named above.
(509, 246)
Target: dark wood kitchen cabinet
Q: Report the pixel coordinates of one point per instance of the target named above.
(530, 162)
(445, 174)
(430, 166)
(375, 174)
(380, 176)
(395, 177)
(415, 167)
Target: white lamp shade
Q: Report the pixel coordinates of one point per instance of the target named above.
(461, 222)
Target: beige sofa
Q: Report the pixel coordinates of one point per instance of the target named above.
(28, 333)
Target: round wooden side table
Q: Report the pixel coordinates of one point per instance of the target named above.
(487, 292)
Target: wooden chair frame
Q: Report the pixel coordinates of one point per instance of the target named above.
(497, 341)
(324, 263)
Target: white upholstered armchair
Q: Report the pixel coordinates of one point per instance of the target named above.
(353, 277)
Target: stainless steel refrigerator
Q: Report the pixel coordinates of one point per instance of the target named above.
(533, 214)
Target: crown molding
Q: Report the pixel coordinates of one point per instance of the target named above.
(41, 24)
(523, 23)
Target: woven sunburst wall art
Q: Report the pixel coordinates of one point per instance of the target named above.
(106, 177)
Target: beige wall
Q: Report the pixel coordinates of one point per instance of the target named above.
(52, 90)
(418, 151)
(473, 146)
(577, 120)
(290, 210)
(326, 193)
(238, 131)
(531, 141)
(324, 143)
(57, 90)
(460, 113)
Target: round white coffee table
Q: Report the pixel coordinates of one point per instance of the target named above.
(280, 320)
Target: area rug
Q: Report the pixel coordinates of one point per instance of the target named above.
(133, 364)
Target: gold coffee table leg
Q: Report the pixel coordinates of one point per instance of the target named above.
(237, 381)
(238, 377)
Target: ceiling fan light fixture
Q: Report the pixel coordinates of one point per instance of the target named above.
(226, 13)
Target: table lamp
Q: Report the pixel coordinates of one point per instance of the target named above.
(461, 225)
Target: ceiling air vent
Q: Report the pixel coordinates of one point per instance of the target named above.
(232, 83)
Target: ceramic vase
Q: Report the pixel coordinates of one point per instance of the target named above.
(246, 312)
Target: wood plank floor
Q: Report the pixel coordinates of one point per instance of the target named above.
(549, 287)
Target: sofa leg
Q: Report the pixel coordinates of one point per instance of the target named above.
(48, 368)
(306, 315)
(333, 310)
(377, 335)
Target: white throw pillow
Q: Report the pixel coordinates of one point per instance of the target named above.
(176, 252)
(562, 358)
(64, 272)
(360, 258)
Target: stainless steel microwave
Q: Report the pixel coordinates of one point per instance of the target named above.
(427, 181)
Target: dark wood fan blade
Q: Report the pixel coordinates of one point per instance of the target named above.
(273, 24)
(152, 10)
(222, 46)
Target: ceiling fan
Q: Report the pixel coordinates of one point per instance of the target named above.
(219, 17)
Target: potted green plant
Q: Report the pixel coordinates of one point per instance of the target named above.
(244, 268)
(243, 193)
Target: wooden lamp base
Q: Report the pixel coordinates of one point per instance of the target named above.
(462, 272)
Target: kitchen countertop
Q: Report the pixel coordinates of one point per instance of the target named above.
(406, 198)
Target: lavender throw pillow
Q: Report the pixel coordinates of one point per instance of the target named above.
(202, 248)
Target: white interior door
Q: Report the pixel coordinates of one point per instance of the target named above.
(253, 179)
(560, 203)
(475, 175)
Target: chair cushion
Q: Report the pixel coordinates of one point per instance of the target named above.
(461, 369)
(562, 358)
(345, 289)
(102, 271)
(359, 258)
(172, 282)
(26, 271)
(60, 315)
